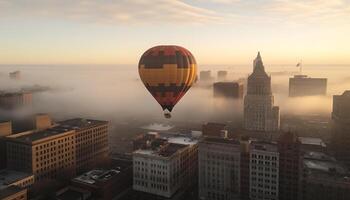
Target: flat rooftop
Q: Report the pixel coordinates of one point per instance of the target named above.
(9, 191)
(8, 177)
(80, 123)
(264, 146)
(61, 128)
(312, 141)
(220, 140)
(97, 176)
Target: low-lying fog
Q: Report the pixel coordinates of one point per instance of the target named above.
(115, 92)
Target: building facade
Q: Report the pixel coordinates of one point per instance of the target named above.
(219, 169)
(91, 139)
(228, 90)
(264, 171)
(302, 85)
(48, 154)
(166, 169)
(260, 114)
(290, 167)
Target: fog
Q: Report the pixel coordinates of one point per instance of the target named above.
(116, 93)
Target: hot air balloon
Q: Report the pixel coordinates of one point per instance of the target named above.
(168, 72)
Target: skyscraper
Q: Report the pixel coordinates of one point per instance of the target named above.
(260, 114)
(290, 166)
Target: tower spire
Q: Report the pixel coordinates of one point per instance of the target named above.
(258, 64)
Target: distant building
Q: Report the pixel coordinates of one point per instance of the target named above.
(341, 107)
(222, 75)
(48, 154)
(91, 139)
(228, 90)
(264, 171)
(13, 193)
(312, 144)
(5, 128)
(15, 100)
(290, 167)
(260, 114)
(15, 178)
(211, 129)
(340, 140)
(165, 169)
(219, 169)
(16, 75)
(302, 85)
(324, 178)
(205, 76)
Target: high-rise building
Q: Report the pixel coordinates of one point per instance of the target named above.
(48, 154)
(205, 76)
(219, 169)
(302, 85)
(166, 169)
(16, 75)
(12, 100)
(222, 75)
(91, 139)
(212, 129)
(340, 140)
(245, 166)
(290, 167)
(228, 90)
(264, 171)
(260, 114)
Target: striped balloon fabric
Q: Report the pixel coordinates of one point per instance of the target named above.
(168, 72)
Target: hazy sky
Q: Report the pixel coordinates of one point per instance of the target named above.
(216, 31)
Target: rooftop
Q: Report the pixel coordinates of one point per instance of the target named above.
(61, 128)
(312, 141)
(97, 176)
(220, 140)
(8, 177)
(80, 123)
(264, 146)
(6, 192)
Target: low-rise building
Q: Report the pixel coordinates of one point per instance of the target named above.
(166, 169)
(16, 178)
(13, 193)
(212, 129)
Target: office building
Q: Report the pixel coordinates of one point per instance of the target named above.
(290, 167)
(13, 100)
(205, 76)
(91, 139)
(340, 140)
(73, 193)
(47, 154)
(222, 75)
(302, 85)
(16, 75)
(219, 169)
(324, 178)
(228, 90)
(264, 171)
(245, 166)
(212, 129)
(260, 114)
(169, 168)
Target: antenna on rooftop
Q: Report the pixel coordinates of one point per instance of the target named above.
(300, 65)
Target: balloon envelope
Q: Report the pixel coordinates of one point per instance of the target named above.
(168, 72)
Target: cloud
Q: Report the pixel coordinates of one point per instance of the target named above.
(111, 12)
(311, 10)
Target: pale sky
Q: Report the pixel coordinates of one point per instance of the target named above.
(215, 31)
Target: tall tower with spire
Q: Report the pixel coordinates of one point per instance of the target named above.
(260, 114)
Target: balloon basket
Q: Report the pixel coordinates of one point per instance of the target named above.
(167, 114)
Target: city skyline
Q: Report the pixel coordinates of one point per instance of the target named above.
(216, 31)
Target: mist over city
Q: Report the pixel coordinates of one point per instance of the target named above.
(174, 100)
